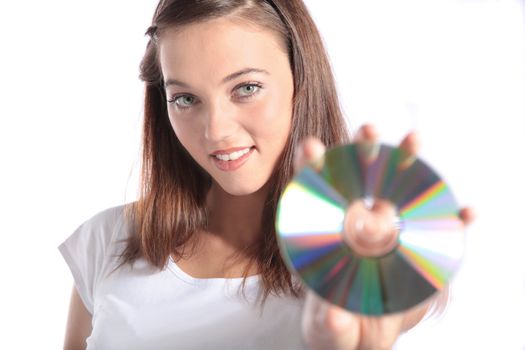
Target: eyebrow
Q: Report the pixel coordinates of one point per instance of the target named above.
(224, 80)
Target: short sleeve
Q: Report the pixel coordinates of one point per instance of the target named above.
(86, 252)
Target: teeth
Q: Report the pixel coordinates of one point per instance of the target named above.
(233, 156)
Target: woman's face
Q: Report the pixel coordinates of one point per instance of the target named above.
(229, 88)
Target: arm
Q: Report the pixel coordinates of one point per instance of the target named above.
(78, 326)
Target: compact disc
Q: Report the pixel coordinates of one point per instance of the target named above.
(314, 227)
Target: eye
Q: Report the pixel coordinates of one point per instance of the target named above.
(247, 90)
(183, 101)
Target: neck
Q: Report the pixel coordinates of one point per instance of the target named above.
(235, 219)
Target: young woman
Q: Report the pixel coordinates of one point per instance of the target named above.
(239, 95)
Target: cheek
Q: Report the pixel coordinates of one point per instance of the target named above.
(186, 132)
(271, 118)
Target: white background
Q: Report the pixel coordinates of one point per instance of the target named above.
(70, 123)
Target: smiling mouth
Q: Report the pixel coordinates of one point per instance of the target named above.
(231, 161)
(232, 155)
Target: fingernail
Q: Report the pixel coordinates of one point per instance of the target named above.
(368, 151)
(318, 150)
(406, 161)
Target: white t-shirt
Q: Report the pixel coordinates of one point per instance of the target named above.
(147, 308)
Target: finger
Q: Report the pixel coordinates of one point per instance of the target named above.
(410, 143)
(310, 149)
(325, 326)
(413, 316)
(367, 143)
(380, 332)
(468, 215)
(344, 328)
(337, 320)
(409, 147)
(367, 133)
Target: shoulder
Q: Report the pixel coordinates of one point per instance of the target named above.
(107, 218)
(102, 230)
(109, 222)
(89, 249)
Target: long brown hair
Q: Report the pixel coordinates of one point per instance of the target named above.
(173, 187)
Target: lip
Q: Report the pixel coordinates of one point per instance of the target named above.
(231, 165)
(229, 150)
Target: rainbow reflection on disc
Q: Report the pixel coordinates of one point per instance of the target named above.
(309, 225)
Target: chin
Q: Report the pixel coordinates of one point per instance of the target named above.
(237, 189)
(240, 191)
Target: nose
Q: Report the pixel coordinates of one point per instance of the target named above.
(220, 122)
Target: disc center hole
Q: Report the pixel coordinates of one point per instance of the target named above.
(371, 227)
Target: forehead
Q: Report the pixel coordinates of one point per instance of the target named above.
(217, 47)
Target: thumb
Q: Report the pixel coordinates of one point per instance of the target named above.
(326, 326)
(311, 148)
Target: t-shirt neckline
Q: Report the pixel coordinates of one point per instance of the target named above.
(175, 269)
